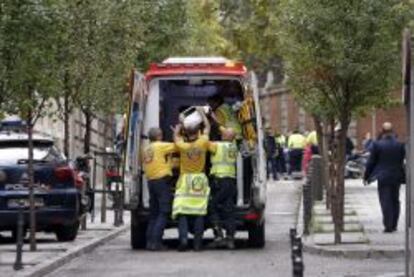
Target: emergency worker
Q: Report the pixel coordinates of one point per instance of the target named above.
(224, 114)
(296, 145)
(312, 141)
(192, 189)
(223, 188)
(157, 168)
(280, 140)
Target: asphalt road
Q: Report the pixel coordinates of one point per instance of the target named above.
(117, 259)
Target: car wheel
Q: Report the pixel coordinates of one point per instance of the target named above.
(67, 232)
(257, 235)
(138, 232)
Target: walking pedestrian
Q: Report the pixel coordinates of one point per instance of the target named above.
(386, 165)
(157, 168)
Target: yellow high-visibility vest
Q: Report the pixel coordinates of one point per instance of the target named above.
(227, 118)
(281, 140)
(191, 195)
(296, 141)
(224, 160)
(312, 138)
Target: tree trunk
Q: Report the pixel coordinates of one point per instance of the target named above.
(66, 123)
(322, 130)
(30, 170)
(88, 131)
(339, 179)
(325, 161)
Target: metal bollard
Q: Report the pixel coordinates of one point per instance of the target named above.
(297, 257)
(117, 221)
(298, 267)
(307, 207)
(292, 235)
(18, 265)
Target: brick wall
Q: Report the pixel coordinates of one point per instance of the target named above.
(282, 113)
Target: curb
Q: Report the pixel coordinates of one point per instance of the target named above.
(352, 253)
(49, 266)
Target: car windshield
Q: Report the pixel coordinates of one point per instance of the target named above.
(13, 152)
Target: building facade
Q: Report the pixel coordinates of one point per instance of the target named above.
(282, 113)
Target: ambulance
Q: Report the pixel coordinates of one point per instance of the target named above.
(156, 100)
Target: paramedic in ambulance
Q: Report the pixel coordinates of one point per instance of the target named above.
(224, 114)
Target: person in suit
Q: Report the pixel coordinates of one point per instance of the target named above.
(386, 165)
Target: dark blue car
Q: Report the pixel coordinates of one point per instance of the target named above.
(56, 186)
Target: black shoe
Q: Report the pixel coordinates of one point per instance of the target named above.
(230, 243)
(150, 246)
(182, 247)
(160, 247)
(198, 245)
(217, 243)
(388, 230)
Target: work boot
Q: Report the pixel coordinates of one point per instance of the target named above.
(230, 243)
(197, 244)
(218, 232)
(182, 247)
(216, 243)
(160, 247)
(150, 246)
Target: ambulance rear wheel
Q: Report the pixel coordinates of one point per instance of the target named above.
(257, 235)
(138, 233)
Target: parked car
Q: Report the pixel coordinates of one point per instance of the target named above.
(56, 186)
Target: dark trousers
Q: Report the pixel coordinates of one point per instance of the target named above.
(272, 167)
(295, 158)
(160, 209)
(186, 221)
(222, 204)
(281, 162)
(389, 197)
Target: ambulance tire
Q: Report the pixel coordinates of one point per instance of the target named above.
(138, 233)
(257, 235)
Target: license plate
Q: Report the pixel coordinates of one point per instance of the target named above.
(24, 203)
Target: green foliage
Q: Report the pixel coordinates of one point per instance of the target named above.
(250, 27)
(28, 55)
(165, 30)
(341, 56)
(206, 34)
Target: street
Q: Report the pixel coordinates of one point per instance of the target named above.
(117, 259)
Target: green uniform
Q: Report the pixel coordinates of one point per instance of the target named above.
(227, 118)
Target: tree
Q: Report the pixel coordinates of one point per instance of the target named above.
(250, 26)
(342, 57)
(29, 65)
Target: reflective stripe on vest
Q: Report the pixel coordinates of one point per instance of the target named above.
(230, 118)
(224, 160)
(191, 195)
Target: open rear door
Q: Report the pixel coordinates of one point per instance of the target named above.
(259, 181)
(134, 124)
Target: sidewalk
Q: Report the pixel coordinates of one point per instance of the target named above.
(51, 254)
(363, 236)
